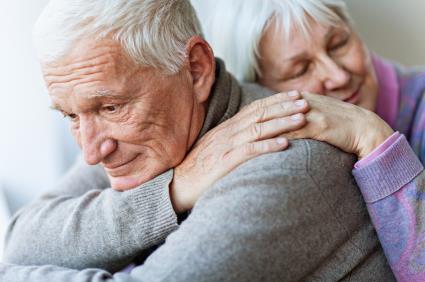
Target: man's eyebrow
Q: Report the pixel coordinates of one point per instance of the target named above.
(56, 108)
(106, 94)
(96, 95)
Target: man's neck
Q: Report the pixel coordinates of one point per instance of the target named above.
(224, 100)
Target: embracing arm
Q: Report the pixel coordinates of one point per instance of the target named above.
(393, 186)
(389, 174)
(85, 224)
(273, 218)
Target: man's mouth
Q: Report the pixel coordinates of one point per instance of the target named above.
(116, 169)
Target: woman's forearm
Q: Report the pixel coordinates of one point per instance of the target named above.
(393, 185)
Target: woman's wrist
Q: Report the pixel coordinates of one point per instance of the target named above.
(378, 131)
(180, 196)
(378, 152)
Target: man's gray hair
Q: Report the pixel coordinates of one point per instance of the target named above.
(234, 28)
(152, 32)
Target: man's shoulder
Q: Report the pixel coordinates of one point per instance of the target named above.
(307, 155)
(251, 92)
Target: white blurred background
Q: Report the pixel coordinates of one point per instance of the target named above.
(35, 146)
(392, 28)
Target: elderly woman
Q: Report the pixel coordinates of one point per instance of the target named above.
(359, 101)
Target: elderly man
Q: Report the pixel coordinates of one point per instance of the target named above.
(160, 122)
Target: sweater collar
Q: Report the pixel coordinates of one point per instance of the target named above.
(224, 100)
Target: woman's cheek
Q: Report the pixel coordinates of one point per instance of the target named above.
(353, 63)
(310, 84)
(359, 58)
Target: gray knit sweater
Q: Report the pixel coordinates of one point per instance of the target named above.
(289, 216)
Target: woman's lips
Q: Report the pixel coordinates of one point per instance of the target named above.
(354, 98)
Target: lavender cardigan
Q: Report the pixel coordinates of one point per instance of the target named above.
(393, 181)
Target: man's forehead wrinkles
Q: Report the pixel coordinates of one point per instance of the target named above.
(81, 65)
(75, 70)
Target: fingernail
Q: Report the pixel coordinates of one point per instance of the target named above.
(281, 140)
(292, 93)
(300, 103)
(296, 117)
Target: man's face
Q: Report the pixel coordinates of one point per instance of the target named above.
(135, 121)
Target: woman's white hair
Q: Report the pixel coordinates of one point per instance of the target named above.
(152, 32)
(234, 28)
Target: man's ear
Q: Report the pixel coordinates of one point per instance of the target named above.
(202, 67)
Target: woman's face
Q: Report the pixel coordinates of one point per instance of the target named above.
(333, 61)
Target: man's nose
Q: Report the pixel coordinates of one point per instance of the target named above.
(95, 144)
(334, 76)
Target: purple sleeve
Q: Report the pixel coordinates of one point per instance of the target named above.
(378, 151)
(393, 186)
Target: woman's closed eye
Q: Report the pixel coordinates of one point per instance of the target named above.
(299, 72)
(339, 43)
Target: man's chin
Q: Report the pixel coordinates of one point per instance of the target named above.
(123, 183)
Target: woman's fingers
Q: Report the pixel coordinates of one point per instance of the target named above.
(264, 119)
(269, 129)
(282, 110)
(251, 150)
(256, 108)
(274, 111)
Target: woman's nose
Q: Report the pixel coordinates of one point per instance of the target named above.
(334, 76)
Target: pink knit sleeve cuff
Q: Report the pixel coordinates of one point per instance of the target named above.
(379, 150)
(389, 171)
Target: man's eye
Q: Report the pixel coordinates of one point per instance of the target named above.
(110, 109)
(72, 117)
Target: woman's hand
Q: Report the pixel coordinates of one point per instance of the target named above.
(254, 131)
(346, 126)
